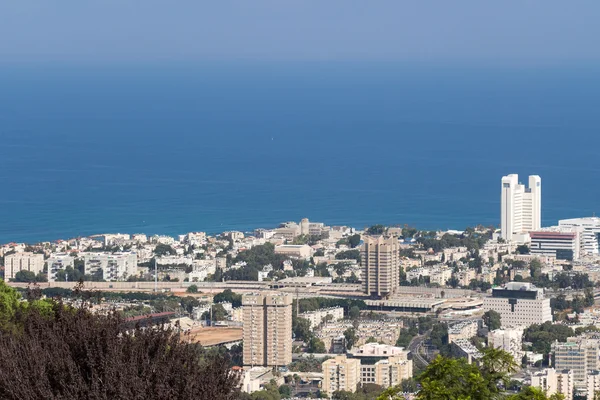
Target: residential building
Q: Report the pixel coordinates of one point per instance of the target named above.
(24, 261)
(593, 383)
(267, 329)
(465, 349)
(509, 340)
(554, 381)
(56, 262)
(303, 251)
(579, 354)
(519, 304)
(390, 372)
(380, 261)
(340, 373)
(114, 266)
(315, 318)
(463, 330)
(520, 206)
(560, 245)
(589, 233)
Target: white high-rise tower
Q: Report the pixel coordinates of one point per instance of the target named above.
(521, 207)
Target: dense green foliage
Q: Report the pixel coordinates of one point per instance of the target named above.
(348, 255)
(543, 335)
(491, 319)
(228, 296)
(255, 258)
(472, 241)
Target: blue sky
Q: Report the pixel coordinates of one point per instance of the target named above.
(150, 31)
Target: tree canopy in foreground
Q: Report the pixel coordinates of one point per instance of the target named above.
(59, 352)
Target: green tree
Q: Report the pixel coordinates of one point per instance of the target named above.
(316, 345)
(192, 289)
(351, 337)
(531, 393)
(376, 230)
(492, 320)
(354, 312)
(354, 240)
(453, 379)
(25, 276)
(164, 250)
(301, 329)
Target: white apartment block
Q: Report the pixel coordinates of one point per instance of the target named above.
(509, 340)
(25, 261)
(589, 233)
(554, 381)
(115, 266)
(579, 354)
(315, 318)
(462, 330)
(593, 383)
(388, 372)
(340, 373)
(520, 206)
(519, 304)
(56, 262)
(380, 261)
(267, 329)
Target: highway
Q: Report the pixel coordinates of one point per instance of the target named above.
(415, 348)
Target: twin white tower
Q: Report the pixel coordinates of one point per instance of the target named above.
(521, 209)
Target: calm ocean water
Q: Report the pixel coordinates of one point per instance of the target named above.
(172, 150)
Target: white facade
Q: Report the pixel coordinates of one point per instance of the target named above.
(519, 304)
(509, 340)
(562, 244)
(462, 330)
(579, 354)
(521, 207)
(552, 381)
(16, 262)
(57, 262)
(589, 232)
(115, 266)
(315, 318)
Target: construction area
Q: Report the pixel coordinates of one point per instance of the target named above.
(213, 336)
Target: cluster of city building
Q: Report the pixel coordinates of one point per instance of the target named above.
(430, 278)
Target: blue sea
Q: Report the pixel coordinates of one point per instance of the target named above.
(173, 149)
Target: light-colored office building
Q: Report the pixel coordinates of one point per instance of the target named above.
(380, 261)
(56, 262)
(315, 318)
(556, 244)
(267, 329)
(25, 261)
(579, 354)
(519, 304)
(509, 340)
(114, 266)
(554, 381)
(521, 207)
(340, 373)
(589, 232)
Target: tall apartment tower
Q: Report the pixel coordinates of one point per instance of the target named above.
(267, 329)
(521, 207)
(380, 262)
